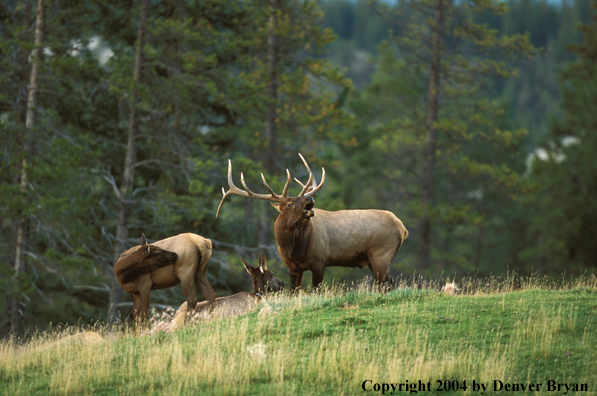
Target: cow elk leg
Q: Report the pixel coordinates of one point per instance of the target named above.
(136, 309)
(141, 307)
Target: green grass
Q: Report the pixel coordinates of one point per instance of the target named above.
(330, 343)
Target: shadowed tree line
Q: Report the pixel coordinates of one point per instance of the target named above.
(118, 118)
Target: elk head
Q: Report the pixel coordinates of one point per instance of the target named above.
(294, 210)
(155, 256)
(146, 258)
(263, 279)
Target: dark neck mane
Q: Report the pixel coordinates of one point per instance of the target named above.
(294, 242)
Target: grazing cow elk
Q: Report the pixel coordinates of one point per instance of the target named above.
(237, 304)
(312, 239)
(179, 259)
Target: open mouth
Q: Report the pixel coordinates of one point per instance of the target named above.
(309, 212)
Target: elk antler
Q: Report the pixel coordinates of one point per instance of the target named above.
(248, 193)
(307, 189)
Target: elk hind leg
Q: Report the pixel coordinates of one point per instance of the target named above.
(201, 274)
(189, 291)
(379, 264)
(206, 289)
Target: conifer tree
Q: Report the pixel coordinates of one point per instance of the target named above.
(39, 157)
(448, 137)
(563, 230)
(295, 97)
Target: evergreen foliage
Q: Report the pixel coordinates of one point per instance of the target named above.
(564, 225)
(205, 94)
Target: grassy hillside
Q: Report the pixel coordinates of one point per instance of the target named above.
(332, 342)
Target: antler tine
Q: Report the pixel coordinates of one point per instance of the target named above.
(233, 189)
(305, 186)
(315, 189)
(285, 191)
(248, 193)
(270, 197)
(280, 197)
(221, 202)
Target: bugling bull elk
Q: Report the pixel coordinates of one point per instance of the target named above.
(241, 303)
(312, 239)
(179, 259)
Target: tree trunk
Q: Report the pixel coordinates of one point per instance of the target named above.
(269, 159)
(17, 304)
(272, 89)
(126, 188)
(430, 142)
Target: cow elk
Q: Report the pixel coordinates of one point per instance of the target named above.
(180, 259)
(312, 239)
(237, 304)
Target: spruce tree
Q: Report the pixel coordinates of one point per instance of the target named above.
(452, 136)
(563, 232)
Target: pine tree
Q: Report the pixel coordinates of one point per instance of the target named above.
(294, 101)
(454, 129)
(40, 159)
(563, 231)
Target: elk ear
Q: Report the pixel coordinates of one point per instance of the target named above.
(247, 266)
(263, 263)
(277, 206)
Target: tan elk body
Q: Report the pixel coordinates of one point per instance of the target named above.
(312, 239)
(190, 267)
(238, 304)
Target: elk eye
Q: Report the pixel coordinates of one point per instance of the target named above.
(290, 205)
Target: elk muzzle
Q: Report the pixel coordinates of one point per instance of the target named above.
(309, 204)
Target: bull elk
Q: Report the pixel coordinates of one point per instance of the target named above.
(237, 304)
(312, 239)
(180, 259)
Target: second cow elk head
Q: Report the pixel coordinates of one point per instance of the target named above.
(263, 279)
(312, 239)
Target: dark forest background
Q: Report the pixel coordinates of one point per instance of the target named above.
(475, 122)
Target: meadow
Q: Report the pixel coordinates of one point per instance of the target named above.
(341, 341)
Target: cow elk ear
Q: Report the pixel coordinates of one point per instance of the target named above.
(247, 266)
(277, 206)
(263, 263)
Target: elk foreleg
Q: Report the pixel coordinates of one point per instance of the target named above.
(136, 309)
(296, 281)
(317, 277)
(145, 296)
